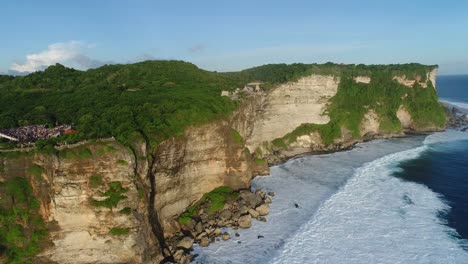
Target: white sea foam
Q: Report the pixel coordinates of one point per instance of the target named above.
(351, 211)
(462, 105)
(447, 136)
(377, 218)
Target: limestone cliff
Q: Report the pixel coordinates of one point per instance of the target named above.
(66, 185)
(106, 203)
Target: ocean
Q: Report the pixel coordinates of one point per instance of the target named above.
(386, 201)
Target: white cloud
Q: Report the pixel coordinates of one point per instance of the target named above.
(68, 53)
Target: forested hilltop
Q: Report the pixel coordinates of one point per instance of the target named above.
(160, 99)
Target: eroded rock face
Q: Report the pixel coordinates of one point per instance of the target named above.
(430, 76)
(81, 232)
(362, 79)
(404, 117)
(291, 105)
(206, 158)
(370, 123)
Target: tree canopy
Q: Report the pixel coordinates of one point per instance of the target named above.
(156, 99)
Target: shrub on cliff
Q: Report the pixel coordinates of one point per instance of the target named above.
(21, 227)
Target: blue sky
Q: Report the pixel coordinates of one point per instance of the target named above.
(232, 35)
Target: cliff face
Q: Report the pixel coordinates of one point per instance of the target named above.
(207, 157)
(81, 188)
(291, 105)
(66, 186)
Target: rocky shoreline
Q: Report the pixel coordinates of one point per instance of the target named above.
(207, 226)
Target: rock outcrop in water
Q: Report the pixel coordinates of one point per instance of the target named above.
(106, 203)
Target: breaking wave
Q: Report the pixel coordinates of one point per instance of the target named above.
(351, 210)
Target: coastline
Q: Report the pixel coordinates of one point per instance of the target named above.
(309, 189)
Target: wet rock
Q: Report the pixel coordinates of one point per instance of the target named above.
(226, 236)
(237, 234)
(271, 193)
(217, 232)
(204, 241)
(260, 237)
(263, 209)
(260, 193)
(253, 213)
(267, 200)
(296, 205)
(251, 199)
(186, 243)
(262, 219)
(245, 221)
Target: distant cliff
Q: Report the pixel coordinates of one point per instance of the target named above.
(116, 202)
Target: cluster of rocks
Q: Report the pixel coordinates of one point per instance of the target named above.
(205, 228)
(457, 119)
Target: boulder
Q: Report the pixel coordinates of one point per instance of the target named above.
(225, 214)
(260, 193)
(186, 242)
(178, 255)
(226, 236)
(271, 193)
(201, 235)
(261, 218)
(245, 221)
(235, 216)
(263, 209)
(251, 199)
(217, 232)
(243, 210)
(267, 200)
(189, 226)
(237, 234)
(199, 228)
(204, 242)
(186, 259)
(253, 213)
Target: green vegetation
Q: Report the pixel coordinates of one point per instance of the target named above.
(117, 231)
(141, 193)
(114, 195)
(237, 137)
(160, 99)
(36, 171)
(122, 162)
(213, 201)
(21, 227)
(185, 217)
(68, 154)
(216, 199)
(95, 181)
(259, 161)
(126, 211)
(85, 153)
(124, 101)
(105, 149)
(384, 95)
